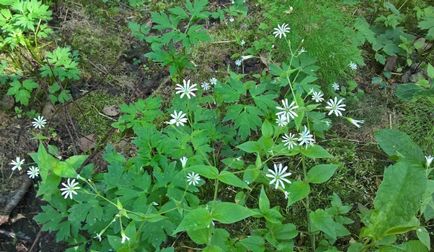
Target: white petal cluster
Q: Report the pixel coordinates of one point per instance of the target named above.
(429, 160)
(306, 138)
(33, 172)
(179, 119)
(317, 96)
(186, 89)
(69, 188)
(193, 178)
(278, 175)
(335, 106)
(336, 86)
(281, 30)
(289, 140)
(17, 163)
(183, 161)
(39, 122)
(287, 110)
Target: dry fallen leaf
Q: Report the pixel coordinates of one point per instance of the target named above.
(112, 110)
(86, 143)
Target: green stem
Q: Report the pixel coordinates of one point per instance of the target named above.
(307, 205)
(216, 188)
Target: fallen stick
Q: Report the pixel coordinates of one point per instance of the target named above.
(13, 202)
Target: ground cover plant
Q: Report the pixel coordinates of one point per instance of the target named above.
(309, 129)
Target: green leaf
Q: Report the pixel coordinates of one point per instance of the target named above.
(397, 143)
(253, 243)
(30, 85)
(264, 203)
(250, 147)
(204, 170)
(323, 221)
(423, 236)
(267, 129)
(402, 182)
(195, 219)
(315, 151)
(430, 71)
(297, 191)
(228, 212)
(321, 173)
(230, 179)
(200, 236)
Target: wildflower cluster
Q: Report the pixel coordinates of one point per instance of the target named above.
(199, 159)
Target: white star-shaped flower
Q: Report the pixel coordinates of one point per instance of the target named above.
(238, 62)
(213, 81)
(205, 86)
(353, 66)
(282, 121)
(335, 86)
(335, 107)
(69, 188)
(242, 43)
(289, 140)
(39, 122)
(186, 89)
(305, 138)
(33, 172)
(287, 110)
(193, 178)
(317, 96)
(183, 161)
(281, 30)
(179, 119)
(278, 176)
(17, 163)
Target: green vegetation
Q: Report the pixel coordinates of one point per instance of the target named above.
(267, 129)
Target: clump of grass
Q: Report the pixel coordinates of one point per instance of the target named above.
(325, 27)
(417, 120)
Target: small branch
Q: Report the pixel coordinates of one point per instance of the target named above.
(13, 202)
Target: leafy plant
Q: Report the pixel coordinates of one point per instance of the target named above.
(178, 31)
(24, 25)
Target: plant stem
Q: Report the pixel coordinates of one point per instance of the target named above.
(309, 228)
(216, 188)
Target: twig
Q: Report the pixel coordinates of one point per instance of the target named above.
(13, 202)
(35, 241)
(72, 138)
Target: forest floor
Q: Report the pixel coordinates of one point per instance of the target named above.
(111, 76)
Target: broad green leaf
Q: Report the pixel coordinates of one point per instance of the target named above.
(297, 191)
(315, 151)
(196, 219)
(423, 236)
(253, 243)
(402, 182)
(200, 236)
(250, 147)
(251, 174)
(323, 221)
(267, 129)
(230, 179)
(397, 143)
(228, 212)
(321, 173)
(204, 170)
